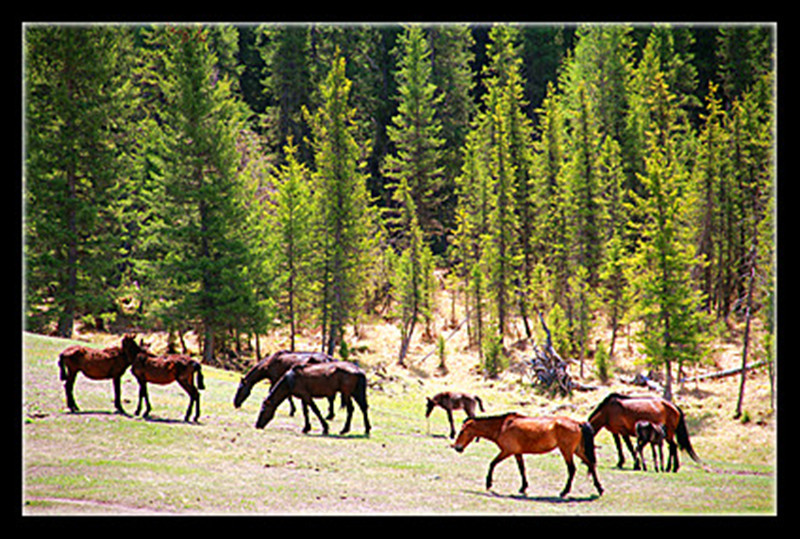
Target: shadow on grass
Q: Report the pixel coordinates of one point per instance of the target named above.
(540, 499)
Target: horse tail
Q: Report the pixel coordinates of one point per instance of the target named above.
(682, 434)
(587, 435)
(360, 392)
(480, 404)
(62, 369)
(199, 371)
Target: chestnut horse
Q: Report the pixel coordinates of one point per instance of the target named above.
(94, 364)
(619, 414)
(162, 370)
(450, 400)
(319, 380)
(516, 435)
(653, 434)
(272, 368)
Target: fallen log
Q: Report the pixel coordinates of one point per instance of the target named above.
(723, 374)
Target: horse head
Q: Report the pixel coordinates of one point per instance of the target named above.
(242, 392)
(267, 412)
(465, 437)
(429, 406)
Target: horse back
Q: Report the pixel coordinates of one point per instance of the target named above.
(624, 414)
(522, 434)
(95, 364)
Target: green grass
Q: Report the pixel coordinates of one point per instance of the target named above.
(97, 462)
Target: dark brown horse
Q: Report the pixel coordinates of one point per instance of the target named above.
(162, 370)
(619, 414)
(94, 364)
(516, 435)
(653, 434)
(272, 368)
(449, 401)
(319, 380)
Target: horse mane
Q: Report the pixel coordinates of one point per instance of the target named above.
(607, 400)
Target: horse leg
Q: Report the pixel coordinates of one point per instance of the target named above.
(450, 419)
(570, 475)
(673, 453)
(331, 400)
(497, 460)
(630, 448)
(521, 465)
(291, 407)
(194, 398)
(143, 397)
(68, 385)
(621, 461)
(317, 413)
(349, 405)
(639, 449)
(660, 457)
(118, 395)
(307, 425)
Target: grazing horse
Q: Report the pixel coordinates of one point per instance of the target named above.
(162, 370)
(450, 401)
(516, 434)
(94, 364)
(653, 434)
(272, 368)
(619, 414)
(319, 380)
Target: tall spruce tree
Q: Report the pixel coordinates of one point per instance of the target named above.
(415, 170)
(668, 302)
(76, 111)
(292, 237)
(205, 254)
(341, 206)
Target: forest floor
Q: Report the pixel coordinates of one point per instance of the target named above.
(97, 462)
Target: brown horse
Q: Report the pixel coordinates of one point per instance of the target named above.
(450, 400)
(319, 380)
(619, 414)
(94, 364)
(162, 370)
(653, 434)
(516, 435)
(272, 368)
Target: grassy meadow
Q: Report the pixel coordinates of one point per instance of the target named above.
(100, 463)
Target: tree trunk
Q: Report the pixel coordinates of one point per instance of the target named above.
(745, 345)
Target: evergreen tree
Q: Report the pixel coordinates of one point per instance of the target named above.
(292, 235)
(416, 172)
(668, 302)
(286, 51)
(76, 152)
(206, 255)
(415, 134)
(342, 221)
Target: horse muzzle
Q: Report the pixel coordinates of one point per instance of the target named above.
(459, 448)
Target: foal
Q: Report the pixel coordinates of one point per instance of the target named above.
(450, 401)
(654, 434)
(162, 370)
(103, 364)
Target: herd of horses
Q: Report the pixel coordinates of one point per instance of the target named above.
(310, 375)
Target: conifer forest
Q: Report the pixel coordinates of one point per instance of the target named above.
(234, 179)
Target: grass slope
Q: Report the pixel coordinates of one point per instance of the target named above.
(98, 462)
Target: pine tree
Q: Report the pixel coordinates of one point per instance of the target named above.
(292, 236)
(415, 133)
(416, 172)
(342, 224)
(206, 255)
(76, 153)
(668, 302)
(287, 85)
